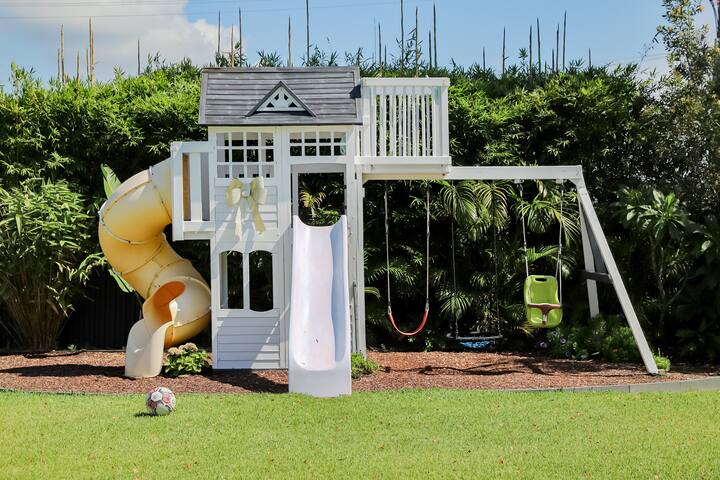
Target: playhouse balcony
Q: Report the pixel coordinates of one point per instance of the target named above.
(405, 128)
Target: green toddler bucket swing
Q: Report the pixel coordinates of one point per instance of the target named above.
(543, 293)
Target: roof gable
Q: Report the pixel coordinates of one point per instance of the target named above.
(316, 96)
(280, 99)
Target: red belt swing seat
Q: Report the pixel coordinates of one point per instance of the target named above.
(426, 313)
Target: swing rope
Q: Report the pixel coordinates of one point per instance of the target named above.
(496, 299)
(477, 341)
(421, 325)
(524, 233)
(558, 264)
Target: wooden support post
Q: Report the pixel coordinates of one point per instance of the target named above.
(587, 208)
(589, 259)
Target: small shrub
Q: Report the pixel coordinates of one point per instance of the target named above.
(604, 337)
(186, 359)
(362, 366)
(663, 363)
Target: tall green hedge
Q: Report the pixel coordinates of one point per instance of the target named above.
(632, 134)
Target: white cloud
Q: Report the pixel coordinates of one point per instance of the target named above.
(118, 25)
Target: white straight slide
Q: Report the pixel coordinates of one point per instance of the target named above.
(320, 311)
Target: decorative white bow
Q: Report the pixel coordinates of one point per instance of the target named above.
(246, 196)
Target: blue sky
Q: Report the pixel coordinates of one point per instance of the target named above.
(617, 31)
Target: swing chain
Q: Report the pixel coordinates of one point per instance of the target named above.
(524, 233)
(558, 264)
(387, 250)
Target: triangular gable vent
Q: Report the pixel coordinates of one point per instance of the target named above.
(280, 99)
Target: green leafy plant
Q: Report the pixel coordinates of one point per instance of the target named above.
(186, 359)
(111, 183)
(663, 363)
(604, 337)
(45, 233)
(362, 366)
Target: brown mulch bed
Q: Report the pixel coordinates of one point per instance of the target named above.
(101, 372)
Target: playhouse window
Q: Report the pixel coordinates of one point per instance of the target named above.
(231, 280)
(318, 144)
(245, 154)
(261, 281)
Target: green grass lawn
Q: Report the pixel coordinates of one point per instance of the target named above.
(412, 433)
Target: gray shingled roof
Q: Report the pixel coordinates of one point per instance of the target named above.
(229, 96)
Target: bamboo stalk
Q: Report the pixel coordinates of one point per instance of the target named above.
(380, 47)
(402, 35)
(557, 48)
(91, 33)
(58, 65)
(530, 54)
(240, 39)
(435, 35)
(289, 59)
(232, 45)
(87, 64)
(589, 58)
(484, 68)
(539, 47)
(62, 52)
(564, 37)
(218, 47)
(307, 30)
(430, 60)
(417, 47)
(503, 52)
(77, 67)
(138, 57)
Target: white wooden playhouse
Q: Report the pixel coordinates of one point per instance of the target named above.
(278, 123)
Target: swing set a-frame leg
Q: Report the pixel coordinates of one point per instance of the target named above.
(595, 229)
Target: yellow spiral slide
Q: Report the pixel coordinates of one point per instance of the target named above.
(177, 299)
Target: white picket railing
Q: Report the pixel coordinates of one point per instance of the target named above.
(191, 171)
(405, 121)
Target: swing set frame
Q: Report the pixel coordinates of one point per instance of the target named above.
(599, 262)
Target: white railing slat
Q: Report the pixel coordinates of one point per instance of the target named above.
(405, 117)
(383, 122)
(195, 183)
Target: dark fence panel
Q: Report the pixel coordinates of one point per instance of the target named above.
(102, 320)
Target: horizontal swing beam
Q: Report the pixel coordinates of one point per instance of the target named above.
(554, 172)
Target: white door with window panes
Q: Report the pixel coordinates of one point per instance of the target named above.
(249, 285)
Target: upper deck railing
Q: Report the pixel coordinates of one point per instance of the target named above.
(405, 121)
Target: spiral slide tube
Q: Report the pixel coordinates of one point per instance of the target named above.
(177, 299)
